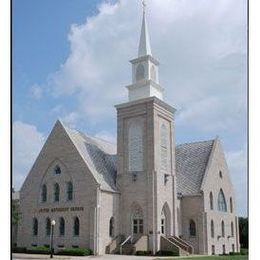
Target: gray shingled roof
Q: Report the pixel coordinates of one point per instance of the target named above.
(99, 155)
(191, 163)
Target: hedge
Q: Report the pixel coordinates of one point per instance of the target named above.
(75, 251)
(166, 253)
(38, 250)
(143, 253)
(19, 249)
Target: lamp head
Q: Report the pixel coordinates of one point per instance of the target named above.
(53, 222)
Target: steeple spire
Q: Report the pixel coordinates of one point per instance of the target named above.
(144, 44)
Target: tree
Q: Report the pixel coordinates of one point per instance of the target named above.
(243, 232)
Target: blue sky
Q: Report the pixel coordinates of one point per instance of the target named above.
(70, 61)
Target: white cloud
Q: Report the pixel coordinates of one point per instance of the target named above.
(36, 91)
(201, 45)
(27, 142)
(237, 162)
(71, 119)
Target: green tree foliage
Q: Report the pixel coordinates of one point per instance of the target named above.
(243, 232)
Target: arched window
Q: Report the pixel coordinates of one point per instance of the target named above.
(232, 229)
(44, 193)
(222, 228)
(69, 191)
(56, 192)
(212, 231)
(231, 205)
(163, 223)
(57, 169)
(62, 226)
(135, 145)
(222, 205)
(211, 201)
(140, 72)
(35, 227)
(153, 73)
(164, 146)
(111, 227)
(76, 226)
(48, 227)
(192, 228)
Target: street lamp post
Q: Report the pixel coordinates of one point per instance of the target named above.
(52, 231)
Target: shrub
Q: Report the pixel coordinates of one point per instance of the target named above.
(19, 249)
(75, 251)
(38, 250)
(166, 253)
(244, 251)
(143, 253)
(234, 253)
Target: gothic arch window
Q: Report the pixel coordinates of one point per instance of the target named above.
(48, 226)
(69, 191)
(44, 193)
(137, 220)
(232, 229)
(153, 73)
(140, 72)
(76, 226)
(111, 227)
(135, 145)
(231, 205)
(211, 201)
(57, 169)
(163, 222)
(62, 226)
(56, 192)
(164, 148)
(35, 227)
(192, 228)
(222, 205)
(212, 231)
(222, 228)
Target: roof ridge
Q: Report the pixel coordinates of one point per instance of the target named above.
(196, 142)
(86, 134)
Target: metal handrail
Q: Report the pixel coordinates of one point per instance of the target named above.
(121, 245)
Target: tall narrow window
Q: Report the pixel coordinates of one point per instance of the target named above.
(56, 192)
(35, 227)
(222, 205)
(137, 218)
(231, 205)
(48, 227)
(164, 144)
(135, 145)
(111, 227)
(44, 193)
(212, 229)
(223, 228)
(153, 73)
(211, 201)
(76, 226)
(192, 228)
(232, 229)
(69, 191)
(62, 226)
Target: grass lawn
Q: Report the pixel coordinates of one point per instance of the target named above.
(236, 257)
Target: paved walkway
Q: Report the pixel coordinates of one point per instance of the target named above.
(104, 257)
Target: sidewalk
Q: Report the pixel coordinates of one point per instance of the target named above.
(104, 257)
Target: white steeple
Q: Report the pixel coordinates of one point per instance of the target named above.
(145, 69)
(144, 44)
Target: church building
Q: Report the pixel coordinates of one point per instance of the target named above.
(144, 193)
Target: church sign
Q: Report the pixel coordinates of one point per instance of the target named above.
(47, 210)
